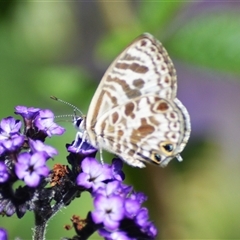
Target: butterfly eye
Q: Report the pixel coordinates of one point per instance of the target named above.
(78, 122)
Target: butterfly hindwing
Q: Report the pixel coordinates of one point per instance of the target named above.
(141, 129)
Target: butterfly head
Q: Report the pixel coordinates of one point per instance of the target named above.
(79, 123)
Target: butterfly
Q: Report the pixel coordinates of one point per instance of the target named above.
(134, 112)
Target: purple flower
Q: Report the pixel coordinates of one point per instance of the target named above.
(108, 210)
(116, 235)
(117, 166)
(119, 235)
(3, 173)
(151, 230)
(10, 125)
(93, 174)
(131, 207)
(10, 138)
(146, 226)
(3, 234)
(124, 190)
(1, 149)
(142, 217)
(114, 187)
(44, 121)
(27, 113)
(30, 168)
(86, 149)
(7, 207)
(108, 189)
(38, 146)
(139, 196)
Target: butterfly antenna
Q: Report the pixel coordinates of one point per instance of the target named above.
(64, 116)
(69, 104)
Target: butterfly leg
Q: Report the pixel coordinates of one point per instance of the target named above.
(84, 136)
(79, 136)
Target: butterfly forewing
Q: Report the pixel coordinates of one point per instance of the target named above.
(133, 112)
(143, 67)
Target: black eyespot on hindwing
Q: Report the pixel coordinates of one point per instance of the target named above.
(168, 147)
(157, 157)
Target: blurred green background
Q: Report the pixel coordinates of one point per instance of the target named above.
(62, 48)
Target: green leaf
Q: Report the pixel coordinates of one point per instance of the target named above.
(155, 15)
(111, 45)
(72, 84)
(151, 17)
(211, 40)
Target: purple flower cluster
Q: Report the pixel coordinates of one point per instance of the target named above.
(118, 213)
(23, 155)
(117, 207)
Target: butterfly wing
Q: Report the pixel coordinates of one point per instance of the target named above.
(144, 67)
(147, 129)
(132, 109)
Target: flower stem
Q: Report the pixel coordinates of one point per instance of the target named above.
(39, 230)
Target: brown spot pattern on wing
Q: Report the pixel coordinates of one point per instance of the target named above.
(143, 43)
(115, 117)
(129, 57)
(162, 106)
(144, 130)
(135, 67)
(131, 93)
(129, 108)
(138, 83)
(173, 115)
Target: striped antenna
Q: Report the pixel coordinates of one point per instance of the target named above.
(69, 104)
(66, 116)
